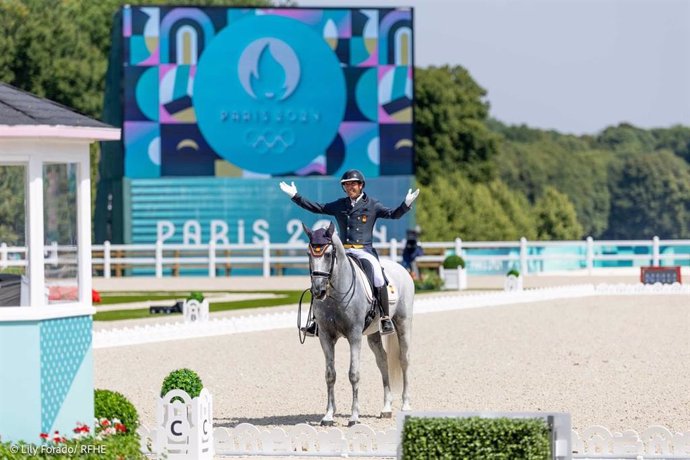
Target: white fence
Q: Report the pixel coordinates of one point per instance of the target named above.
(303, 440)
(274, 258)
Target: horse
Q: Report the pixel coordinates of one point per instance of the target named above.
(340, 302)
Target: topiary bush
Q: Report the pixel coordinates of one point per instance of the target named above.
(453, 261)
(196, 295)
(475, 437)
(514, 272)
(111, 404)
(183, 379)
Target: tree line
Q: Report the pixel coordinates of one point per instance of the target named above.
(480, 178)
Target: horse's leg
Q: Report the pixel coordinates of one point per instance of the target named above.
(328, 346)
(376, 346)
(403, 326)
(355, 351)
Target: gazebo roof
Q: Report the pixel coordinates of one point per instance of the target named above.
(23, 114)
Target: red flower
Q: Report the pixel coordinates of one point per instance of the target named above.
(44, 435)
(120, 428)
(105, 422)
(81, 428)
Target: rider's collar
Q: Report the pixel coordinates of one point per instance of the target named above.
(355, 201)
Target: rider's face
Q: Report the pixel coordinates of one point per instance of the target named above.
(353, 189)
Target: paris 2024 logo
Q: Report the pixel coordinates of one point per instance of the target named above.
(269, 94)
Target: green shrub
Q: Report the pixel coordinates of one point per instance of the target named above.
(111, 404)
(429, 281)
(196, 295)
(183, 379)
(513, 271)
(475, 437)
(453, 261)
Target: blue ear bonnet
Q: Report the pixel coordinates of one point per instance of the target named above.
(320, 237)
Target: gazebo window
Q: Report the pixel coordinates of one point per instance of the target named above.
(60, 185)
(13, 255)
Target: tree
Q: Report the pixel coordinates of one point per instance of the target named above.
(556, 217)
(450, 130)
(452, 206)
(650, 196)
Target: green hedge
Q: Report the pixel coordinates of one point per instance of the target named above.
(110, 404)
(475, 438)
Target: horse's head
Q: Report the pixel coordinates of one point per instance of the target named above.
(321, 259)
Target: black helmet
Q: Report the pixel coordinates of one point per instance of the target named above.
(353, 175)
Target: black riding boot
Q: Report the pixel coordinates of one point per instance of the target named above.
(310, 330)
(386, 323)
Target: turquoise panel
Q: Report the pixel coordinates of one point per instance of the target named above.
(78, 403)
(65, 345)
(20, 381)
(251, 210)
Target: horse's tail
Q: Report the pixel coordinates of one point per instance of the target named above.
(392, 347)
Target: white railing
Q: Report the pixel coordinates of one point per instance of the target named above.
(303, 440)
(267, 258)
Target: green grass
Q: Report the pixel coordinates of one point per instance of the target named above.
(107, 299)
(284, 298)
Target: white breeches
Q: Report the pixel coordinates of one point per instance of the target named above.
(362, 254)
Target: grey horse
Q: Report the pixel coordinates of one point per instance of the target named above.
(341, 303)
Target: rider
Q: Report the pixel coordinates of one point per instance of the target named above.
(356, 215)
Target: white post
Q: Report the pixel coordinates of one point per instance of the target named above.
(3, 255)
(523, 256)
(393, 250)
(458, 247)
(590, 255)
(655, 251)
(84, 229)
(267, 259)
(106, 259)
(159, 259)
(35, 259)
(212, 259)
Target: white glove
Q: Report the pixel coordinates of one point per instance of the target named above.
(411, 196)
(291, 190)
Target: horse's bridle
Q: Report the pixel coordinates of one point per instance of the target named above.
(318, 251)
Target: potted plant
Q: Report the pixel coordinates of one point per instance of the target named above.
(184, 417)
(513, 281)
(195, 307)
(453, 272)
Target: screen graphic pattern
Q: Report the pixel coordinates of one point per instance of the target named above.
(243, 92)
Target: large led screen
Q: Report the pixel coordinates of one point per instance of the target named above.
(246, 92)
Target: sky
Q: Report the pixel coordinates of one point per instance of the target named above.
(576, 66)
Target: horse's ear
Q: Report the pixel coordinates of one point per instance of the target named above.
(307, 230)
(329, 230)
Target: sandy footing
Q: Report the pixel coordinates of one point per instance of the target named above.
(620, 362)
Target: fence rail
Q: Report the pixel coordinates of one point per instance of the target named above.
(266, 259)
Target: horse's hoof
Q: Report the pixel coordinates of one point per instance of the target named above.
(326, 422)
(352, 423)
(386, 415)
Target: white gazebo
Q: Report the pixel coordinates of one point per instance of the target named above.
(46, 362)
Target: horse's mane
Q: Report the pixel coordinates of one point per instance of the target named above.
(338, 245)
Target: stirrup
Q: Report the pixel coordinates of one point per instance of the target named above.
(309, 330)
(386, 326)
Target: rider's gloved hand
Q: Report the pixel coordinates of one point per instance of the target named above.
(291, 190)
(411, 196)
